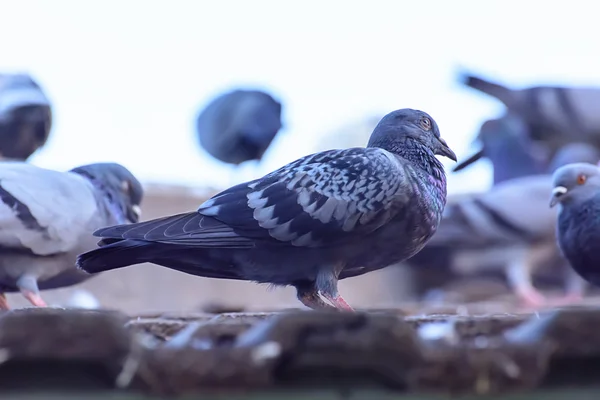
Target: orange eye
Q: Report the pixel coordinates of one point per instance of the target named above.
(581, 179)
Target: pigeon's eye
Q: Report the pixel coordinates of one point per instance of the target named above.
(426, 123)
(125, 186)
(581, 179)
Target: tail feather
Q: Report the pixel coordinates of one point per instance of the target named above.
(123, 253)
(112, 256)
(502, 93)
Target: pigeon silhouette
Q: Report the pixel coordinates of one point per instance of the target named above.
(324, 217)
(239, 126)
(47, 218)
(554, 115)
(577, 193)
(25, 116)
(506, 143)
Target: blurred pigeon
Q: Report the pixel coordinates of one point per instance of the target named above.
(577, 192)
(555, 115)
(324, 217)
(25, 116)
(47, 218)
(508, 227)
(239, 126)
(506, 143)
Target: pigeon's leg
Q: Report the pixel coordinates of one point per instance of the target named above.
(309, 296)
(28, 286)
(575, 287)
(3, 302)
(327, 285)
(519, 278)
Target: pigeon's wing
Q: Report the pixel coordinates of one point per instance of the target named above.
(514, 211)
(43, 211)
(319, 200)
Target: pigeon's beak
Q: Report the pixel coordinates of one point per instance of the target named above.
(134, 213)
(557, 193)
(444, 150)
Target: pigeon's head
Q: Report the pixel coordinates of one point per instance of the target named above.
(122, 190)
(574, 181)
(25, 116)
(400, 130)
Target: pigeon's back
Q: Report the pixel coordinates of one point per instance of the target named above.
(239, 126)
(42, 210)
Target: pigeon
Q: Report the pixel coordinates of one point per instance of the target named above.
(555, 115)
(576, 191)
(25, 117)
(509, 228)
(506, 143)
(47, 218)
(239, 125)
(324, 217)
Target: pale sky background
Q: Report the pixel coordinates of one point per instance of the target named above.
(127, 77)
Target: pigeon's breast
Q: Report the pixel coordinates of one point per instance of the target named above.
(406, 234)
(579, 235)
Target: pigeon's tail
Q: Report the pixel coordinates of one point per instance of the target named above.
(496, 90)
(112, 256)
(119, 253)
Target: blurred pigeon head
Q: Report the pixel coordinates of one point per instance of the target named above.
(506, 142)
(124, 191)
(239, 126)
(574, 181)
(25, 116)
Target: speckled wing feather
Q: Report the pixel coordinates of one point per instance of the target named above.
(320, 200)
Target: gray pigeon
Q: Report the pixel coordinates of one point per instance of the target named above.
(577, 192)
(324, 217)
(25, 116)
(555, 115)
(239, 126)
(47, 218)
(505, 142)
(507, 228)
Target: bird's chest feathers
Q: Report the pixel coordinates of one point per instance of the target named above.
(429, 200)
(578, 233)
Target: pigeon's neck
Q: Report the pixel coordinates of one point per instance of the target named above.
(420, 156)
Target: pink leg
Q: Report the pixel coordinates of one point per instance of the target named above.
(3, 302)
(338, 302)
(34, 298)
(532, 298)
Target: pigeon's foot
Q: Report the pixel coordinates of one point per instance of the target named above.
(309, 296)
(339, 302)
(3, 302)
(531, 298)
(34, 298)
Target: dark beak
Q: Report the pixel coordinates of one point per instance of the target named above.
(557, 192)
(444, 150)
(134, 213)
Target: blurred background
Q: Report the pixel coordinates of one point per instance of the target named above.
(128, 79)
